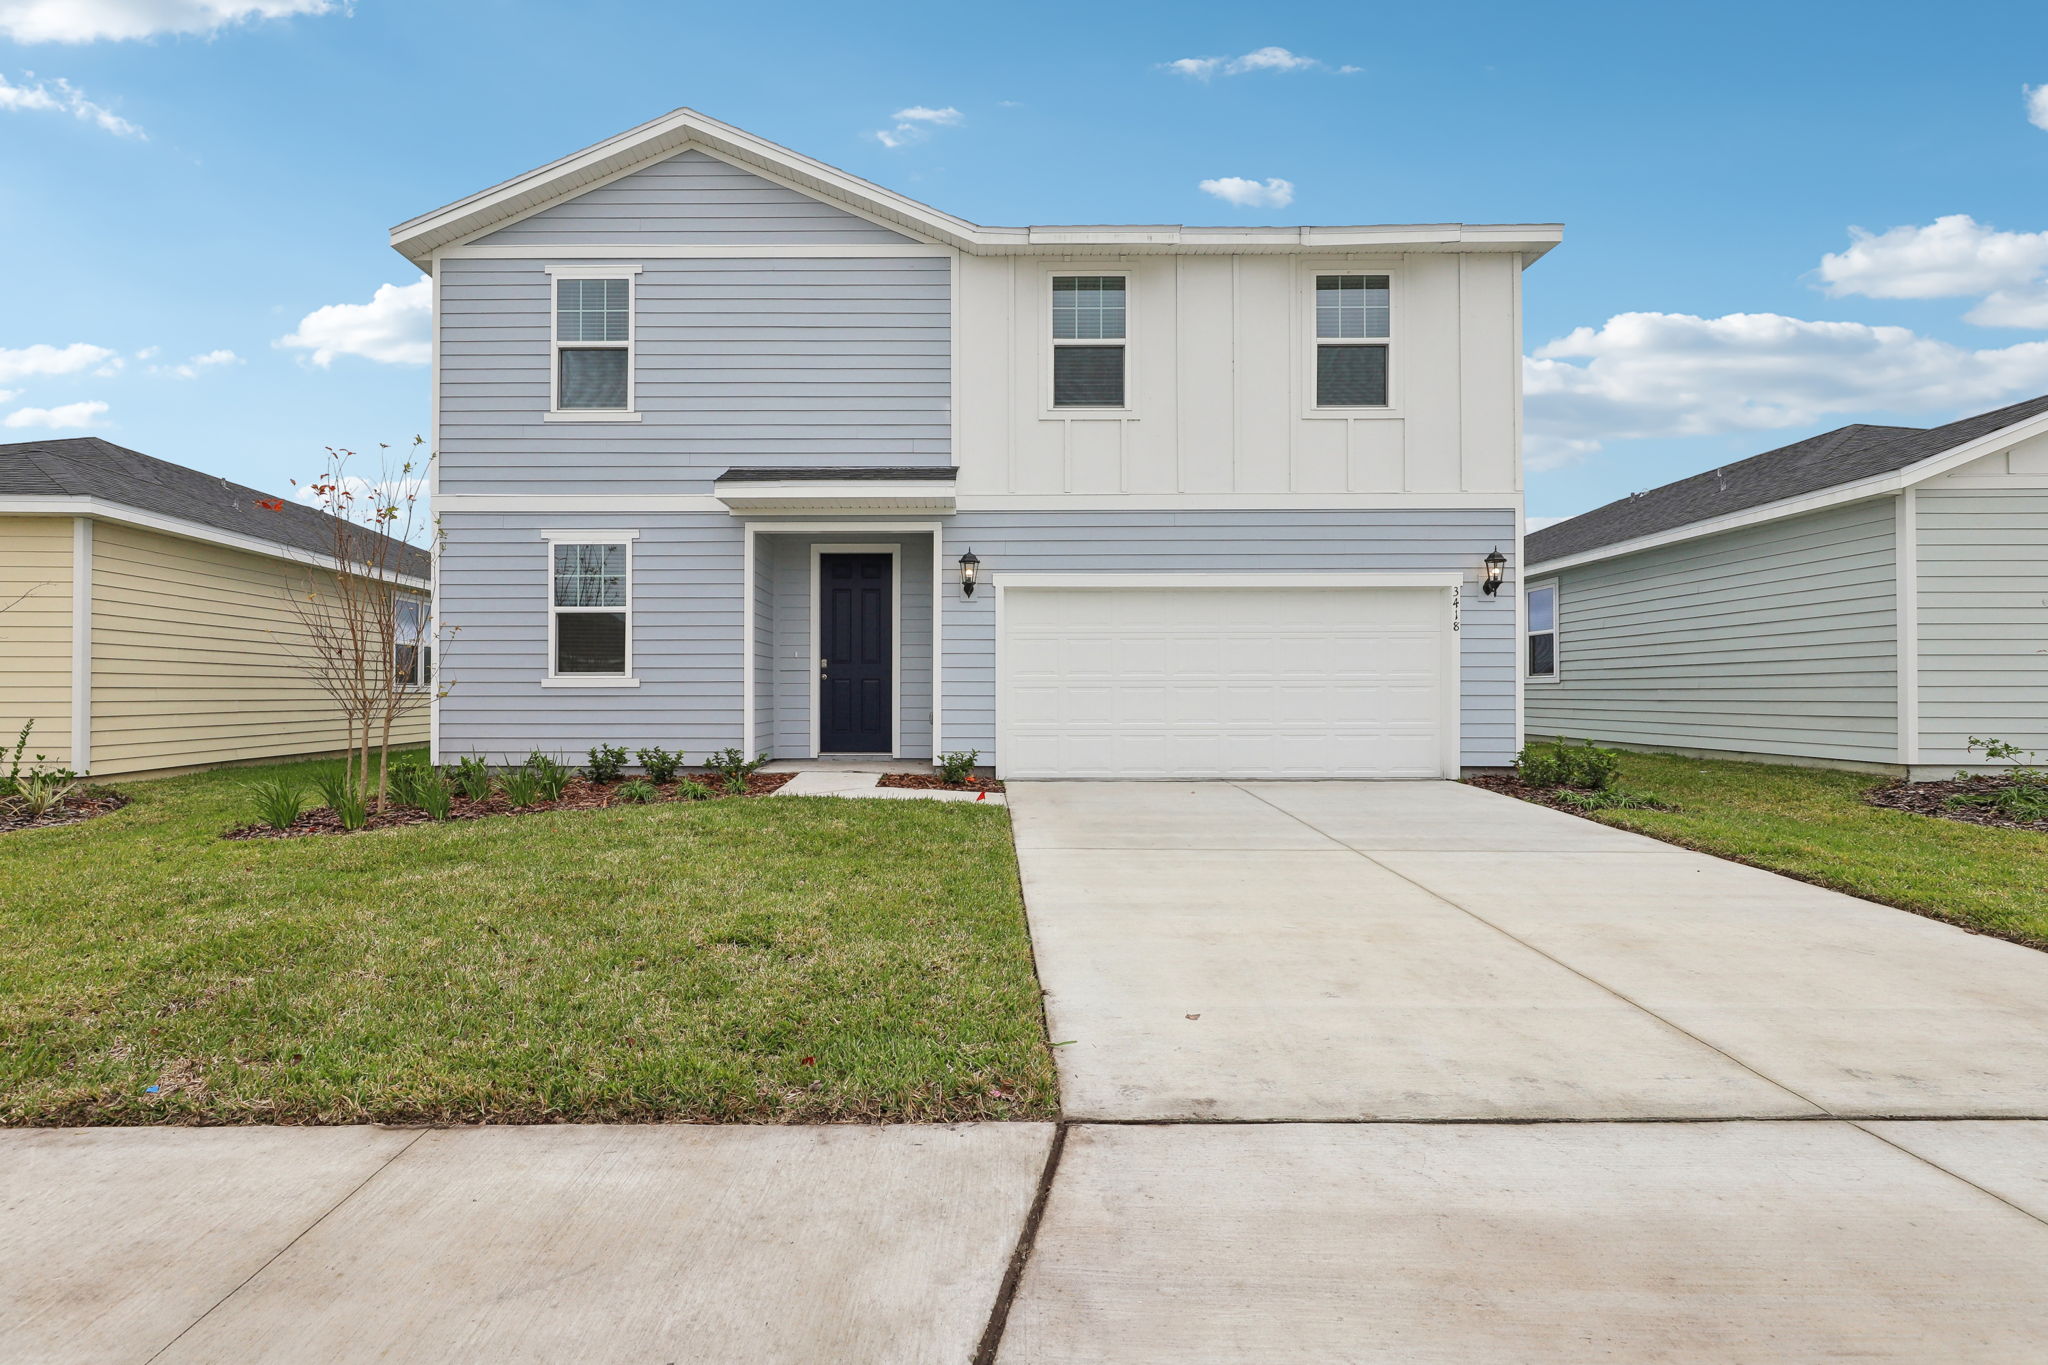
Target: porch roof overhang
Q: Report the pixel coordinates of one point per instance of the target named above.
(879, 488)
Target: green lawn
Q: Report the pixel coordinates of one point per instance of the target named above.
(1810, 823)
(766, 960)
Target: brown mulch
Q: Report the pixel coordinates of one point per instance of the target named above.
(1930, 798)
(580, 794)
(82, 804)
(1508, 785)
(934, 782)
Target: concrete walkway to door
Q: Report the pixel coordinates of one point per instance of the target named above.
(1415, 1072)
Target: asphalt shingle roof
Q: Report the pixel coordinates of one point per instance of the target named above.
(86, 466)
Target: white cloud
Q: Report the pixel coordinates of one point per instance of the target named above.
(1231, 189)
(2037, 105)
(1543, 452)
(43, 359)
(1674, 374)
(358, 498)
(915, 124)
(83, 21)
(1538, 523)
(193, 364)
(1951, 257)
(391, 328)
(60, 96)
(1262, 59)
(70, 415)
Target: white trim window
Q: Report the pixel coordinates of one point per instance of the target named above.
(412, 649)
(1090, 360)
(592, 351)
(1354, 337)
(590, 607)
(1539, 654)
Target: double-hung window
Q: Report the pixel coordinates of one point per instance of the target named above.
(1542, 633)
(1354, 327)
(1088, 342)
(590, 606)
(593, 343)
(412, 652)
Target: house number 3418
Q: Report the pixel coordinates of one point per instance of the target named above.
(1457, 605)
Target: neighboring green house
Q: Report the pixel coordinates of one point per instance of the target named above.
(1868, 598)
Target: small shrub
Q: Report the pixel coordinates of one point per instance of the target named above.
(2015, 803)
(38, 793)
(472, 777)
(735, 767)
(661, 765)
(639, 791)
(550, 777)
(689, 790)
(1587, 767)
(520, 786)
(1611, 798)
(607, 763)
(957, 766)
(435, 796)
(340, 794)
(278, 801)
(407, 778)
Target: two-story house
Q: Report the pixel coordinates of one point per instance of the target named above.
(738, 449)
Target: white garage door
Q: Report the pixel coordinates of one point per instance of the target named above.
(1161, 682)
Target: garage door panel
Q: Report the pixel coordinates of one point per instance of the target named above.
(1224, 682)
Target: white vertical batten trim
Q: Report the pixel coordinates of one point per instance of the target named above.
(434, 512)
(1906, 556)
(938, 640)
(81, 644)
(748, 606)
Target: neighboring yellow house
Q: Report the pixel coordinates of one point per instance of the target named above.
(146, 617)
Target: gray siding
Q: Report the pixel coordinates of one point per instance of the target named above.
(738, 361)
(691, 198)
(687, 633)
(1226, 542)
(1983, 598)
(785, 568)
(1779, 638)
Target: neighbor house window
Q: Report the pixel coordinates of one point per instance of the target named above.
(591, 609)
(1353, 329)
(594, 344)
(1543, 631)
(1088, 341)
(412, 652)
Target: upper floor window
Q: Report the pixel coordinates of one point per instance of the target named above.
(594, 344)
(1543, 631)
(1088, 341)
(1353, 328)
(412, 652)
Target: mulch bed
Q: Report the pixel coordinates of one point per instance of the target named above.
(1930, 798)
(933, 782)
(580, 794)
(1516, 787)
(82, 804)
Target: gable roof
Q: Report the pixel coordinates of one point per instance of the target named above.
(88, 467)
(1846, 455)
(418, 238)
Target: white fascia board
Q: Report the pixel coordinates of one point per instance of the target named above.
(1171, 578)
(1882, 485)
(1233, 502)
(417, 239)
(32, 505)
(829, 495)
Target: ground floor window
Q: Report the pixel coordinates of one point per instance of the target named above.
(590, 609)
(412, 652)
(1542, 646)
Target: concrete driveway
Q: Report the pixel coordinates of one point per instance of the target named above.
(1456, 998)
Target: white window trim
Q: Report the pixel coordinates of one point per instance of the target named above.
(1305, 294)
(1047, 343)
(426, 642)
(1556, 633)
(895, 553)
(609, 537)
(631, 345)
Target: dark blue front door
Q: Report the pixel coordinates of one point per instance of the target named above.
(856, 627)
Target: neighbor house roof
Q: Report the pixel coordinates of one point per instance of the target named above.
(88, 467)
(683, 129)
(1846, 455)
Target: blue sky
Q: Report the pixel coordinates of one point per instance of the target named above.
(184, 182)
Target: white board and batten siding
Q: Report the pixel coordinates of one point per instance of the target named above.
(1777, 638)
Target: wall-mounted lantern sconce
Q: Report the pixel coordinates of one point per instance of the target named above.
(970, 568)
(1496, 566)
